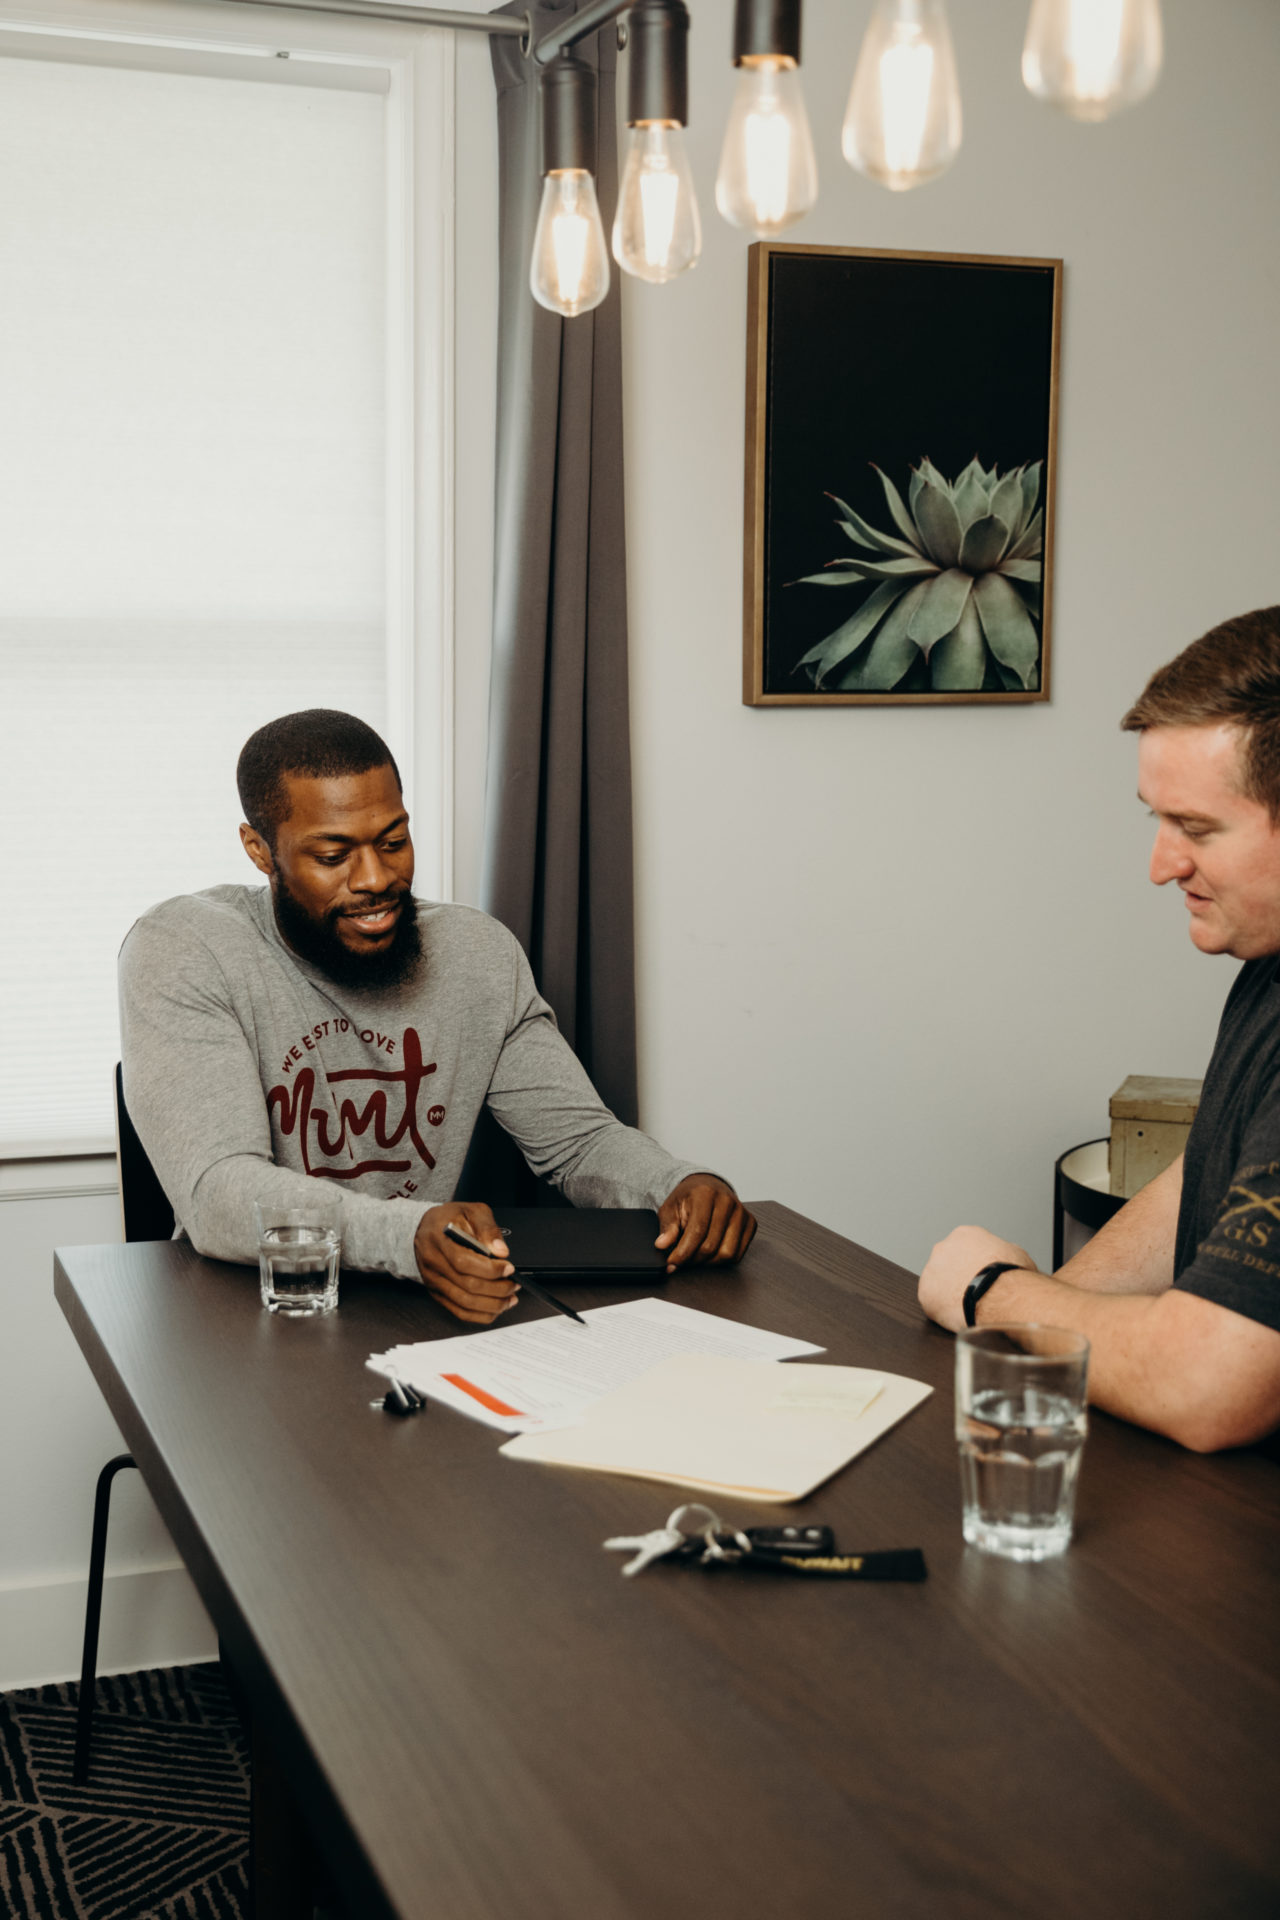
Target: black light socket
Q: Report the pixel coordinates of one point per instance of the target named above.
(658, 62)
(568, 93)
(766, 29)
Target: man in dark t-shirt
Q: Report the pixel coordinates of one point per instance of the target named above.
(1179, 1294)
(1228, 1240)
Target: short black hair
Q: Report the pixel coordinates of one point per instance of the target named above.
(320, 743)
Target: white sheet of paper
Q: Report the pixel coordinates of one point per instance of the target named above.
(714, 1424)
(547, 1374)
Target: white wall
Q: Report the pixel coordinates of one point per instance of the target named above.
(892, 962)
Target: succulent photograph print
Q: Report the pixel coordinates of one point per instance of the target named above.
(935, 585)
(950, 598)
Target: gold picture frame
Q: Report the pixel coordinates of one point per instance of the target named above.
(876, 372)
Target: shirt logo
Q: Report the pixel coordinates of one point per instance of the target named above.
(389, 1113)
(1248, 1217)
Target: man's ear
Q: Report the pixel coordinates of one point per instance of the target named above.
(257, 849)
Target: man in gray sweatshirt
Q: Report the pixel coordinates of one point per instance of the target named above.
(331, 1026)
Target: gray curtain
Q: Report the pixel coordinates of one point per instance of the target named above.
(558, 863)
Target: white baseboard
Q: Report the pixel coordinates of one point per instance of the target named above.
(151, 1617)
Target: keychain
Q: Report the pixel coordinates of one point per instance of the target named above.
(807, 1551)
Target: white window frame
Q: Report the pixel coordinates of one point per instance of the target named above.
(419, 559)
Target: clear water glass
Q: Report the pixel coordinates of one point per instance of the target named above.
(1020, 1427)
(299, 1248)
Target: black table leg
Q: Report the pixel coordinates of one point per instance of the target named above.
(284, 1876)
(281, 1876)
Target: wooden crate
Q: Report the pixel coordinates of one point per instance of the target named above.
(1150, 1120)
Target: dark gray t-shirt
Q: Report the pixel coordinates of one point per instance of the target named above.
(1228, 1245)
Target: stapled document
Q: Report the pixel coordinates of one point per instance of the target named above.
(548, 1373)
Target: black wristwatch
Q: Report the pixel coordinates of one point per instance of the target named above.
(980, 1283)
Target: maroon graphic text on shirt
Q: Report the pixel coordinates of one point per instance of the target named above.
(389, 1110)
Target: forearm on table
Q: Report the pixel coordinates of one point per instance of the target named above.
(1133, 1252)
(377, 1235)
(1171, 1361)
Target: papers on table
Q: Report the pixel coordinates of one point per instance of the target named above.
(547, 1374)
(731, 1426)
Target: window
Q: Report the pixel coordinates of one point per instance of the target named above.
(212, 495)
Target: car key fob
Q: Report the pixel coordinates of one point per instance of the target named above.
(794, 1540)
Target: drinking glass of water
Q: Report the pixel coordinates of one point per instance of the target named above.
(1020, 1427)
(298, 1252)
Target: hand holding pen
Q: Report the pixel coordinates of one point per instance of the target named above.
(534, 1287)
(476, 1283)
(468, 1270)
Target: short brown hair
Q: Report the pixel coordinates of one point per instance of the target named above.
(1229, 677)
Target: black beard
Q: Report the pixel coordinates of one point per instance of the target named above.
(317, 942)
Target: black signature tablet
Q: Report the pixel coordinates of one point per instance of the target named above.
(610, 1245)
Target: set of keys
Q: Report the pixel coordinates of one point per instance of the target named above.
(695, 1536)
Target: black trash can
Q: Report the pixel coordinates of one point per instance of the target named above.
(1082, 1200)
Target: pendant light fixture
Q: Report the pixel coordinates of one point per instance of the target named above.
(903, 123)
(902, 126)
(768, 175)
(1092, 57)
(570, 268)
(657, 233)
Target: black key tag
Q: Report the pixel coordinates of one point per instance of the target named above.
(902, 1563)
(809, 1551)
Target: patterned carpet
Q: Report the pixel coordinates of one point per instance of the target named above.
(160, 1832)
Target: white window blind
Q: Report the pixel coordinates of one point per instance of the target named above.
(192, 505)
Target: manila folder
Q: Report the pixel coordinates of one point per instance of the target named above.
(761, 1429)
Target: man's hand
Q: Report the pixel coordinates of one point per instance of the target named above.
(953, 1264)
(472, 1287)
(704, 1223)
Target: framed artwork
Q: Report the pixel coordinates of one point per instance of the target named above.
(901, 440)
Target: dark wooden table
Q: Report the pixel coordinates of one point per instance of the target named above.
(483, 1721)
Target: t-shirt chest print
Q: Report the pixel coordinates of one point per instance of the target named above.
(373, 1118)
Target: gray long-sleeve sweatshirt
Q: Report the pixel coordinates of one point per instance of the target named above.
(248, 1072)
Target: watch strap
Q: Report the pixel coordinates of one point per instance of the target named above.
(981, 1282)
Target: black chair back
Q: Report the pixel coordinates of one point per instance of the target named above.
(143, 1201)
(497, 1172)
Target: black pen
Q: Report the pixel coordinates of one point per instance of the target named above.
(539, 1292)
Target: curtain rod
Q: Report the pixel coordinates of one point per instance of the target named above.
(412, 16)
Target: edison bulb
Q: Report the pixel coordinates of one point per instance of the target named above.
(903, 122)
(1092, 57)
(656, 232)
(570, 268)
(768, 175)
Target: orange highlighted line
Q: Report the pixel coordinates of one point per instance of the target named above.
(478, 1393)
